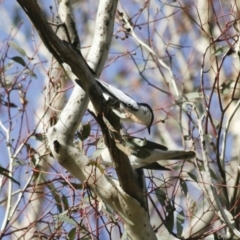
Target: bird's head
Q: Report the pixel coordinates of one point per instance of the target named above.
(149, 115)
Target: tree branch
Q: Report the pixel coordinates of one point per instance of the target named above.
(126, 201)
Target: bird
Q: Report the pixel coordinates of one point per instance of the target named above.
(142, 153)
(126, 108)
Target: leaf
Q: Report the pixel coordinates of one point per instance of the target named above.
(180, 221)
(216, 123)
(56, 196)
(18, 48)
(161, 237)
(5, 172)
(93, 163)
(235, 25)
(169, 222)
(200, 109)
(228, 215)
(191, 175)
(72, 234)
(8, 65)
(12, 105)
(124, 236)
(221, 50)
(86, 130)
(97, 153)
(100, 143)
(8, 104)
(19, 60)
(161, 196)
(65, 202)
(227, 84)
(184, 187)
(30, 73)
(213, 175)
(197, 104)
(40, 136)
(77, 185)
(188, 106)
(66, 219)
(193, 95)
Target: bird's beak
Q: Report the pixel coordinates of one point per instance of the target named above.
(149, 130)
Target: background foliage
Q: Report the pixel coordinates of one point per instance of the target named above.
(183, 60)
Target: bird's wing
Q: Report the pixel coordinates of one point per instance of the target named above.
(153, 145)
(174, 154)
(120, 114)
(121, 96)
(141, 142)
(156, 166)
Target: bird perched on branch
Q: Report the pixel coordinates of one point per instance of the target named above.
(126, 108)
(142, 153)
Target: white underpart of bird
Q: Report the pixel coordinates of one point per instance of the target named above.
(143, 153)
(128, 109)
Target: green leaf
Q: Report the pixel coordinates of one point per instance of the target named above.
(86, 130)
(56, 196)
(160, 236)
(161, 196)
(195, 103)
(193, 95)
(5, 172)
(77, 185)
(100, 143)
(40, 136)
(124, 236)
(191, 175)
(97, 153)
(19, 60)
(235, 25)
(65, 202)
(213, 175)
(169, 222)
(93, 163)
(184, 187)
(18, 48)
(30, 73)
(221, 50)
(228, 86)
(72, 234)
(8, 65)
(180, 221)
(65, 218)
(229, 216)
(200, 109)
(12, 105)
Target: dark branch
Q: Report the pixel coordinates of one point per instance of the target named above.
(65, 53)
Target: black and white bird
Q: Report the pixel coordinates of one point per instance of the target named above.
(126, 108)
(142, 153)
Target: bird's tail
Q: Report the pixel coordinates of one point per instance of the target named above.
(177, 154)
